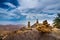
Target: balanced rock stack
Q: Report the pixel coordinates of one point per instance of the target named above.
(45, 27)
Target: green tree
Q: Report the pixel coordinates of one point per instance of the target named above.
(57, 21)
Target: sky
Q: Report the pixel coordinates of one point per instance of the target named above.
(22, 11)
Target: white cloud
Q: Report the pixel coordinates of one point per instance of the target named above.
(8, 14)
(28, 3)
(46, 6)
(10, 4)
(39, 4)
(53, 6)
(38, 16)
(42, 5)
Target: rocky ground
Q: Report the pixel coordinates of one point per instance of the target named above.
(32, 35)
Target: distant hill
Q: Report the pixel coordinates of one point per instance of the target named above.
(10, 27)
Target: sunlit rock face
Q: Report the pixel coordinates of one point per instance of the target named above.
(32, 35)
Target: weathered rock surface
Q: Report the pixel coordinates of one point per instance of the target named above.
(32, 35)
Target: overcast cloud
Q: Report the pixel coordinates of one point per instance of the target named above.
(23, 10)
